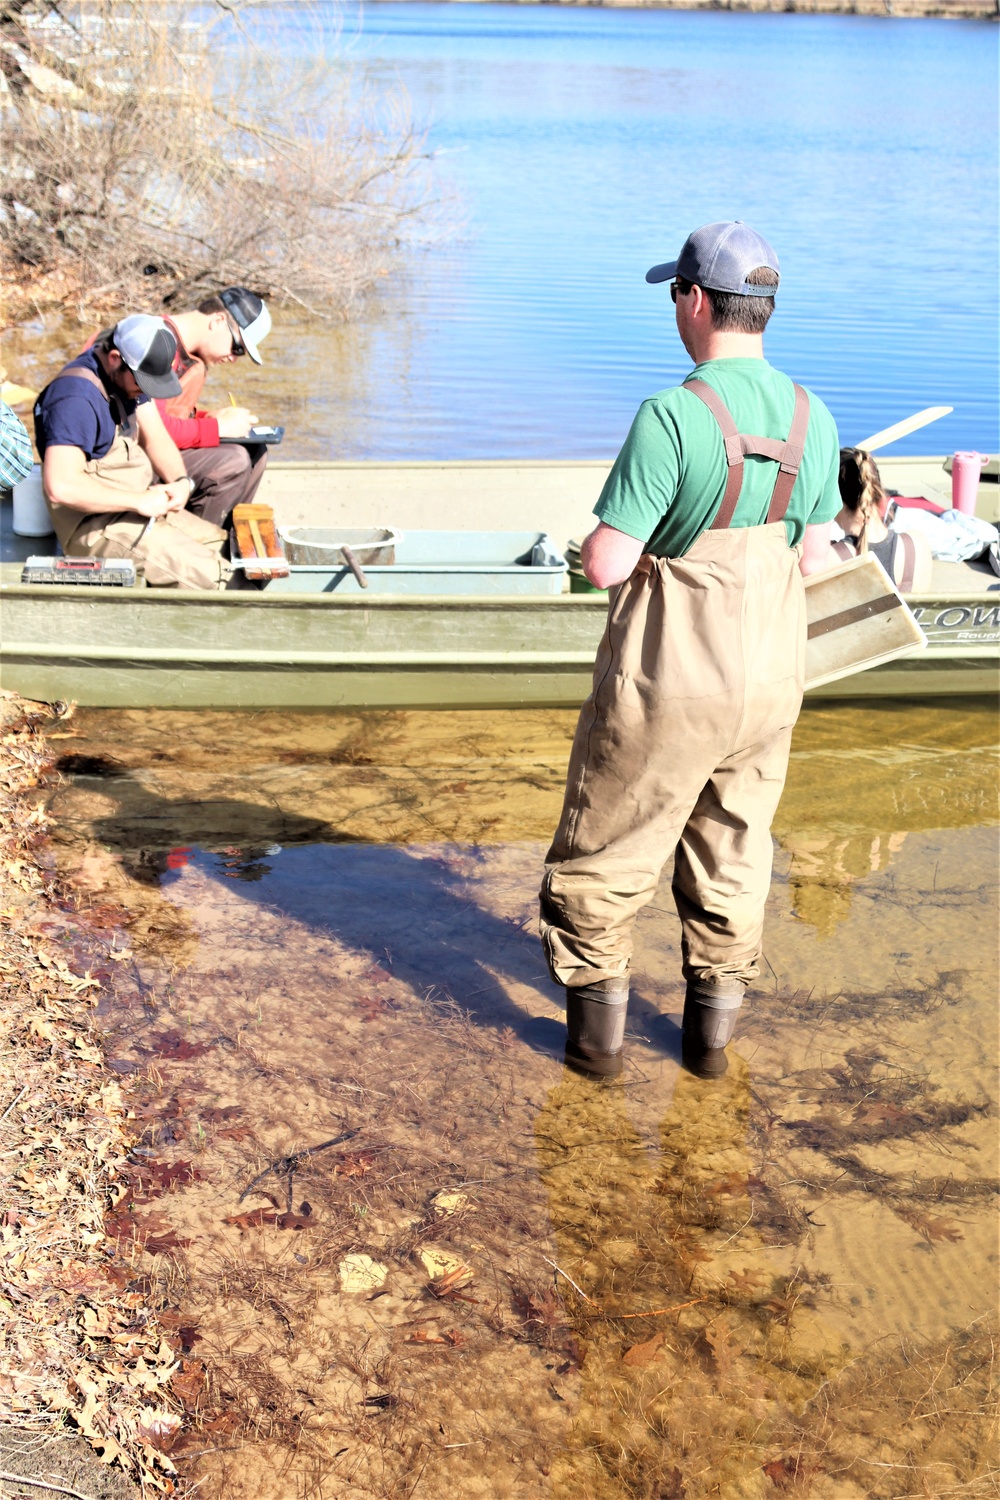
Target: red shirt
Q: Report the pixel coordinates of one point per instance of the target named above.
(187, 425)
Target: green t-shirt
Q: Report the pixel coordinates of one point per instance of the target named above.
(669, 478)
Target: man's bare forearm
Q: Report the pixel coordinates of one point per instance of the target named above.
(88, 494)
(817, 555)
(67, 483)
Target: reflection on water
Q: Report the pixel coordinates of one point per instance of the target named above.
(509, 1282)
(718, 1357)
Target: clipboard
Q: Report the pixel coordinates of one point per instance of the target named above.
(856, 619)
(271, 436)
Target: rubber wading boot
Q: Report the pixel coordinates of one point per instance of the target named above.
(595, 1027)
(710, 1012)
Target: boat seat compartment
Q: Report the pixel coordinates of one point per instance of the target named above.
(424, 562)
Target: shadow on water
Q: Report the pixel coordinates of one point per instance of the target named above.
(410, 908)
(407, 909)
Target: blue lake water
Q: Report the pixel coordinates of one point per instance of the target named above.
(579, 146)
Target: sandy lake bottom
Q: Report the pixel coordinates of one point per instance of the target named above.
(498, 1279)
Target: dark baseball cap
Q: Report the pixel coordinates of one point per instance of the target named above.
(721, 256)
(147, 347)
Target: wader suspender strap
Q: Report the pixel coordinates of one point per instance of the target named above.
(71, 370)
(787, 455)
(114, 400)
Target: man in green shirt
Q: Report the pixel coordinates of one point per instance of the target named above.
(718, 503)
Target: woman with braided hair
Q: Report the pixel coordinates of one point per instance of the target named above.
(905, 557)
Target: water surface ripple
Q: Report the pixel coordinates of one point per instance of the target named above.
(575, 147)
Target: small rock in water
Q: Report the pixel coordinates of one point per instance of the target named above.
(359, 1273)
(438, 1263)
(447, 1203)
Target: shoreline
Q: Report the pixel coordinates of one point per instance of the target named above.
(948, 10)
(89, 1366)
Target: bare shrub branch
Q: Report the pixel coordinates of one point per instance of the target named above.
(171, 150)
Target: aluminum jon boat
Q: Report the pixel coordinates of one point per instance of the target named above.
(113, 647)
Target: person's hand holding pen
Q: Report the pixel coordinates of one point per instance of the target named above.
(234, 421)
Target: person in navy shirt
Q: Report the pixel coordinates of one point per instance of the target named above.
(114, 479)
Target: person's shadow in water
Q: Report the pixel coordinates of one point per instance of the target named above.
(416, 910)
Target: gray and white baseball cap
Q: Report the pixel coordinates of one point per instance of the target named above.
(148, 348)
(721, 256)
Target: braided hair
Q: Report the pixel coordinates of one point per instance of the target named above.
(861, 489)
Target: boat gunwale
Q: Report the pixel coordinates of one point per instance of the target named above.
(280, 465)
(240, 599)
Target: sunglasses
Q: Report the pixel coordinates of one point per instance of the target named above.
(237, 342)
(679, 286)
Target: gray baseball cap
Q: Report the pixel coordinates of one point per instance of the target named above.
(148, 348)
(721, 256)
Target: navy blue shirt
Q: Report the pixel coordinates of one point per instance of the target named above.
(72, 413)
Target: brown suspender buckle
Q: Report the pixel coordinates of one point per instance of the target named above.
(787, 455)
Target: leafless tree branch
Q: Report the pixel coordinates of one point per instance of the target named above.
(162, 151)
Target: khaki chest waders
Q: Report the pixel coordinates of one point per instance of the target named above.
(682, 747)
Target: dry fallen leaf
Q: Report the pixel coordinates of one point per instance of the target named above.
(158, 1427)
(188, 1383)
(256, 1218)
(643, 1354)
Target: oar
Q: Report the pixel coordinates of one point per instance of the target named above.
(903, 429)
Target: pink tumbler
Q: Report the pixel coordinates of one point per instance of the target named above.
(965, 471)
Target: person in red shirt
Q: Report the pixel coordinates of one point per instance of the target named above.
(220, 330)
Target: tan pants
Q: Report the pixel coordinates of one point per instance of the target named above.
(225, 476)
(681, 748)
(178, 551)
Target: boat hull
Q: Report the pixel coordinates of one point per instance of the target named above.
(137, 648)
(134, 649)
